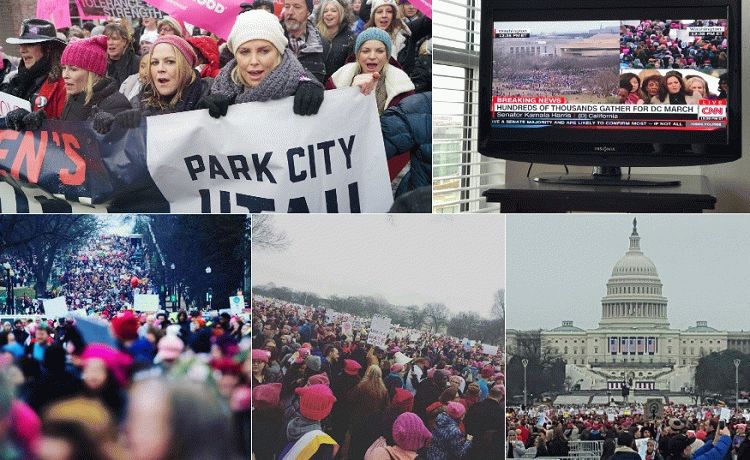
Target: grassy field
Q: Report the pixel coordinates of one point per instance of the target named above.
(20, 292)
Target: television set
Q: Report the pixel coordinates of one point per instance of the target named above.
(610, 84)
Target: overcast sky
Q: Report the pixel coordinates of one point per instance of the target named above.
(558, 267)
(408, 259)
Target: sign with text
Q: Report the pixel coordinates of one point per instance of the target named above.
(216, 16)
(55, 11)
(380, 327)
(489, 349)
(331, 162)
(55, 308)
(236, 304)
(146, 302)
(9, 103)
(118, 8)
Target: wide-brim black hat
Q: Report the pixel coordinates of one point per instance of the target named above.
(36, 31)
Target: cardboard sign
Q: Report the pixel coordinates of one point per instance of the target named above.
(236, 304)
(8, 103)
(146, 302)
(55, 308)
(379, 330)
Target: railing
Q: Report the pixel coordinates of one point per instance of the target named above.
(586, 449)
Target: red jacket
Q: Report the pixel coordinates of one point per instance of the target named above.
(55, 94)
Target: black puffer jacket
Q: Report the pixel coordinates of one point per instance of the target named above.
(106, 98)
(124, 67)
(337, 50)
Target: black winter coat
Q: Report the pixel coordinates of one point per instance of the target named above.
(337, 50)
(419, 28)
(106, 98)
(124, 67)
(485, 421)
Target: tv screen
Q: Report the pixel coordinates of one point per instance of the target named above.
(628, 85)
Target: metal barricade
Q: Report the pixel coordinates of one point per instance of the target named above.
(585, 449)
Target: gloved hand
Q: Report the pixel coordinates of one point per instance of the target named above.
(308, 98)
(14, 119)
(33, 121)
(217, 104)
(129, 118)
(103, 122)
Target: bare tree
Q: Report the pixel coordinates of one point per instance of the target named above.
(265, 235)
(438, 313)
(498, 305)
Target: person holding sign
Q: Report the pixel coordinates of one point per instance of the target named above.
(373, 72)
(39, 79)
(263, 69)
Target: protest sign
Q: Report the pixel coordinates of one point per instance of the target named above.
(331, 316)
(331, 162)
(346, 328)
(80, 312)
(642, 446)
(118, 8)
(725, 414)
(216, 16)
(425, 6)
(9, 102)
(94, 331)
(379, 329)
(489, 349)
(146, 302)
(236, 304)
(55, 308)
(55, 11)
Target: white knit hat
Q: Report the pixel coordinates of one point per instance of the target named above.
(378, 3)
(257, 25)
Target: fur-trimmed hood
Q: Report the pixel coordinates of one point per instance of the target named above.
(396, 80)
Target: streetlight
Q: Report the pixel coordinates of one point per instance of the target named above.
(736, 386)
(525, 363)
(172, 293)
(9, 287)
(209, 293)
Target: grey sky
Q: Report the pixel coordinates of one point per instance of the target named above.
(459, 261)
(541, 28)
(558, 267)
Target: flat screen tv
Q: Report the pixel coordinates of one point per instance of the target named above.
(610, 84)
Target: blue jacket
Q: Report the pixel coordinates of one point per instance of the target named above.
(448, 443)
(408, 127)
(710, 452)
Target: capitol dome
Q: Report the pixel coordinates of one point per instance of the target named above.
(634, 291)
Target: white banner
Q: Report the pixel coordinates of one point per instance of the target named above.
(489, 349)
(237, 304)
(9, 103)
(55, 308)
(146, 302)
(379, 329)
(263, 157)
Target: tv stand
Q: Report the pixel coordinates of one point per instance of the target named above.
(607, 176)
(521, 194)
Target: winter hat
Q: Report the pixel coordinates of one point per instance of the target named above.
(403, 400)
(315, 401)
(373, 33)
(310, 5)
(378, 3)
(318, 379)
(396, 368)
(261, 355)
(170, 347)
(302, 353)
(125, 326)
(401, 358)
(257, 25)
(455, 410)
(351, 367)
(171, 22)
(116, 361)
(409, 432)
(181, 45)
(487, 372)
(26, 427)
(88, 54)
(313, 363)
(266, 396)
(207, 47)
(226, 366)
(676, 424)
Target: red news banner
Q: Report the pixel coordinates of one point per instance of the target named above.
(520, 111)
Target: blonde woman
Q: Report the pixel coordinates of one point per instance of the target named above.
(386, 16)
(698, 87)
(334, 24)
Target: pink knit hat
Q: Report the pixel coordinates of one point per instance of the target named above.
(318, 379)
(170, 347)
(260, 355)
(116, 361)
(409, 432)
(455, 410)
(88, 54)
(181, 45)
(315, 401)
(351, 367)
(266, 396)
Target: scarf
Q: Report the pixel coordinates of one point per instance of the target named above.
(381, 95)
(281, 82)
(677, 99)
(300, 425)
(23, 84)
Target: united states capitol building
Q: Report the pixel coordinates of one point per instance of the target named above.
(634, 342)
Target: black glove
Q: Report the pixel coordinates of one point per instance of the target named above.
(14, 119)
(33, 121)
(129, 118)
(308, 98)
(103, 122)
(217, 104)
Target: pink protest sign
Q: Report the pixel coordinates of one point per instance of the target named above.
(87, 17)
(425, 6)
(55, 11)
(216, 16)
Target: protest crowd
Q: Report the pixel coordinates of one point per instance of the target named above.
(334, 385)
(626, 431)
(110, 381)
(116, 73)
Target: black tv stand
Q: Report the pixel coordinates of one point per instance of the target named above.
(607, 176)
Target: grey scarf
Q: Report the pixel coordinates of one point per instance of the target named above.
(299, 426)
(281, 82)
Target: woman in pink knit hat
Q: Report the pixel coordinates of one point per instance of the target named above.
(105, 375)
(410, 436)
(84, 64)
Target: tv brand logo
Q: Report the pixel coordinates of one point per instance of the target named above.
(712, 112)
(604, 148)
